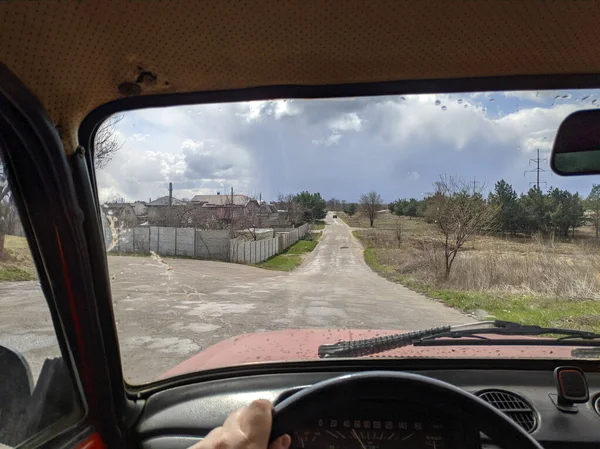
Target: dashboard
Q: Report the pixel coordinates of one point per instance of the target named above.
(179, 417)
(378, 425)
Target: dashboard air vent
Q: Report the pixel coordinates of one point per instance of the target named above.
(513, 406)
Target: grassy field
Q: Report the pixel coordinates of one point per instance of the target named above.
(293, 256)
(19, 264)
(532, 280)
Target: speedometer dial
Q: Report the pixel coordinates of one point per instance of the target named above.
(407, 431)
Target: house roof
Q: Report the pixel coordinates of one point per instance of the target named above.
(164, 201)
(77, 56)
(221, 200)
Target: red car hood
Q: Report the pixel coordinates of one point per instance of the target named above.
(302, 344)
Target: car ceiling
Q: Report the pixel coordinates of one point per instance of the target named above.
(75, 55)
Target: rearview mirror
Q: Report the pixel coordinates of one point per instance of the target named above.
(576, 148)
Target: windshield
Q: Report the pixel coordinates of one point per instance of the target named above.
(258, 231)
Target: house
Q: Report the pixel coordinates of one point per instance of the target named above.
(225, 208)
(119, 215)
(270, 217)
(219, 200)
(165, 211)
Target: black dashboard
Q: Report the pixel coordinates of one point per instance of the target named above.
(378, 425)
(180, 416)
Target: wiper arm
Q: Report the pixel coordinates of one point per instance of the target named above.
(428, 337)
(499, 327)
(367, 346)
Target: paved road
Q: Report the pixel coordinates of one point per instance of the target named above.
(168, 310)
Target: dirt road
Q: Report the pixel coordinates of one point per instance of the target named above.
(169, 310)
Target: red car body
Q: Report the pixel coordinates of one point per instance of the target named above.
(303, 344)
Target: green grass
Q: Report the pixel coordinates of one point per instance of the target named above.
(12, 274)
(292, 257)
(319, 224)
(18, 265)
(522, 308)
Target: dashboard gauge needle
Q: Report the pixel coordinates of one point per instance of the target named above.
(359, 440)
(407, 437)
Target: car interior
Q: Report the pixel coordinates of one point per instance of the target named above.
(65, 67)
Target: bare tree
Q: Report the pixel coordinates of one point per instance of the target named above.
(106, 143)
(370, 203)
(459, 213)
(195, 216)
(8, 212)
(334, 204)
(294, 212)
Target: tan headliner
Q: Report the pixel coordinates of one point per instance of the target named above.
(74, 55)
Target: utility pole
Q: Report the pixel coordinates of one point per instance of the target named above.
(170, 203)
(474, 185)
(537, 170)
(231, 234)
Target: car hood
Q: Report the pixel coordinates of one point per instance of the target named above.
(302, 344)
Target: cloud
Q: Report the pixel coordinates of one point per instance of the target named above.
(259, 110)
(140, 137)
(527, 95)
(213, 159)
(341, 147)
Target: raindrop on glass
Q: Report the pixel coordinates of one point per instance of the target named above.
(491, 99)
(402, 98)
(595, 102)
(465, 105)
(566, 97)
(438, 102)
(586, 97)
(444, 108)
(460, 101)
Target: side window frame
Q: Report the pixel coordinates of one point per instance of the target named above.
(53, 220)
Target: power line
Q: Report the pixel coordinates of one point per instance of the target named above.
(537, 170)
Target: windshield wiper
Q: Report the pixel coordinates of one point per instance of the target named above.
(446, 335)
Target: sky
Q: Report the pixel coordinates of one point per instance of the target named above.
(342, 148)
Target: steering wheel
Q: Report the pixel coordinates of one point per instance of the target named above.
(427, 392)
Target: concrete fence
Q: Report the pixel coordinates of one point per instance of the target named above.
(190, 242)
(252, 252)
(261, 250)
(167, 241)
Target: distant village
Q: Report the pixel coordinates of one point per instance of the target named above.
(207, 212)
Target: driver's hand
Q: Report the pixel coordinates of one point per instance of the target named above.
(246, 428)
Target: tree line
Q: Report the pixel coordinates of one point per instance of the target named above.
(555, 211)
